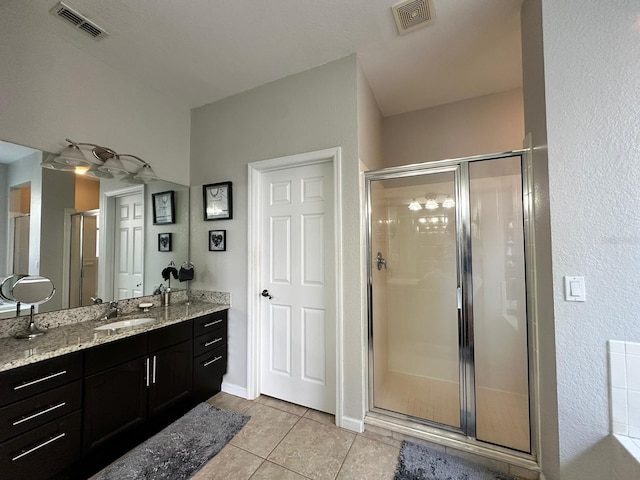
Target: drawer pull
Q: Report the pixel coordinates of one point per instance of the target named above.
(33, 382)
(206, 364)
(212, 323)
(206, 344)
(37, 447)
(42, 412)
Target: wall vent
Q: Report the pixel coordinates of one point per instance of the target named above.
(78, 20)
(413, 14)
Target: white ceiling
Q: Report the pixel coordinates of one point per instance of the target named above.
(200, 51)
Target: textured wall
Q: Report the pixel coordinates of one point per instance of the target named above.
(487, 124)
(51, 89)
(592, 80)
(312, 110)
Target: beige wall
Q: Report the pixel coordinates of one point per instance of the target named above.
(369, 125)
(87, 194)
(313, 110)
(488, 124)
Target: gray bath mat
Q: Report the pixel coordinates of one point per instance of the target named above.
(418, 462)
(179, 450)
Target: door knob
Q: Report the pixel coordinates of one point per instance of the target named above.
(265, 293)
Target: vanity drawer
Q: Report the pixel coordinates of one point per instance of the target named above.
(208, 370)
(171, 335)
(20, 417)
(210, 322)
(43, 452)
(115, 353)
(210, 341)
(39, 377)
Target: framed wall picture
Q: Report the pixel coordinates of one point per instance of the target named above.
(217, 201)
(164, 242)
(217, 240)
(164, 208)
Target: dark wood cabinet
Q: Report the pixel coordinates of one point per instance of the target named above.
(40, 418)
(115, 400)
(210, 354)
(87, 405)
(156, 376)
(43, 452)
(171, 377)
(39, 377)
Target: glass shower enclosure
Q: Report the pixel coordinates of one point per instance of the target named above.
(448, 335)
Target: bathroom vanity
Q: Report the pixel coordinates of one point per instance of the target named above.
(73, 394)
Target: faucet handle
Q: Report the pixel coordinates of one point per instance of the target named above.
(96, 300)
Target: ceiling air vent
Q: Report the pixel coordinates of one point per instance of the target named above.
(78, 20)
(413, 14)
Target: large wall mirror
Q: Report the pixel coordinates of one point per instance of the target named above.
(92, 237)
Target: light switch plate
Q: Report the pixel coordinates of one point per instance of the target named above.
(574, 289)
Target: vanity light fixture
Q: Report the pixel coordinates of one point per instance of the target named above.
(414, 206)
(448, 202)
(103, 163)
(431, 204)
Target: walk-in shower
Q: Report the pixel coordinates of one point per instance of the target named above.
(448, 334)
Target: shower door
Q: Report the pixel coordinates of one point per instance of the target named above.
(84, 257)
(447, 312)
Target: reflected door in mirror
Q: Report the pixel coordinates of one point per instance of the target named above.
(129, 245)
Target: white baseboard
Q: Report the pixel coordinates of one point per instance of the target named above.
(352, 424)
(236, 390)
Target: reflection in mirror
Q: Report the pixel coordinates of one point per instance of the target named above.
(6, 288)
(92, 237)
(32, 290)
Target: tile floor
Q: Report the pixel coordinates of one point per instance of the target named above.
(284, 441)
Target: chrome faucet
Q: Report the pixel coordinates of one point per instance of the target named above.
(112, 311)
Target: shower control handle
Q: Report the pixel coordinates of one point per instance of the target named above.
(381, 262)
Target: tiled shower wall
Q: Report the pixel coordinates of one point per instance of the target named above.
(624, 402)
(624, 387)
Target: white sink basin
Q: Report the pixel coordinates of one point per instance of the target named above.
(132, 322)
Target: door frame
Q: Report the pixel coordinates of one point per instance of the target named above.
(107, 242)
(255, 171)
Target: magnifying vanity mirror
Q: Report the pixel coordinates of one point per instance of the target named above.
(32, 290)
(93, 237)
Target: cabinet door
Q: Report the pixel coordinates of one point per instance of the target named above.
(171, 376)
(115, 400)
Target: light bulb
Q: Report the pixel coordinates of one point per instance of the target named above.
(414, 206)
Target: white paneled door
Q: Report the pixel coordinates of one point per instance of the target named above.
(129, 244)
(298, 337)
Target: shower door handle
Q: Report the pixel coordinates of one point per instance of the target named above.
(459, 297)
(381, 262)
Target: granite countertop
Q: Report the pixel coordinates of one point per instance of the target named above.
(78, 336)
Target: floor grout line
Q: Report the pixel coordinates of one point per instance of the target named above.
(345, 457)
